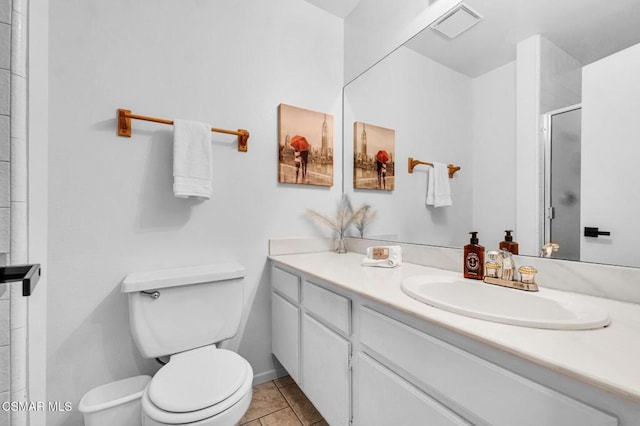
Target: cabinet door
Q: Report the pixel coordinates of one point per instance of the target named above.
(285, 334)
(384, 398)
(326, 371)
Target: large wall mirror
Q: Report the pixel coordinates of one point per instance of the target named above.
(538, 103)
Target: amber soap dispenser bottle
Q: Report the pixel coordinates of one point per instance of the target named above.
(508, 244)
(474, 258)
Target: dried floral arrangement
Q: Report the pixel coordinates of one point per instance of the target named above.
(368, 215)
(345, 217)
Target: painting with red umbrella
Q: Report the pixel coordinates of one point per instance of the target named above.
(305, 146)
(373, 157)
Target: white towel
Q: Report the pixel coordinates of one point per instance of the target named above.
(438, 189)
(191, 159)
(386, 263)
(394, 259)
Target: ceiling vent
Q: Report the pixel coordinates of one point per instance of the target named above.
(456, 21)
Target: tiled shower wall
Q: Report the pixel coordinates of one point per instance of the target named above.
(13, 204)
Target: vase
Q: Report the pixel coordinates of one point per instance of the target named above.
(341, 244)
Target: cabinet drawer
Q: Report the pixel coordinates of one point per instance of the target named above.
(333, 309)
(384, 398)
(285, 283)
(475, 388)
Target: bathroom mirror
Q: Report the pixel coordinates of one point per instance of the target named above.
(491, 100)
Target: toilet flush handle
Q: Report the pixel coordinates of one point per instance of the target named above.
(153, 294)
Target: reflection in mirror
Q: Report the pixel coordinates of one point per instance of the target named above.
(562, 180)
(484, 101)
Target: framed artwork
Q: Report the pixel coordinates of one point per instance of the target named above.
(305, 146)
(373, 157)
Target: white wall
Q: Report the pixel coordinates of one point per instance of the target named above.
(38, 131)
(610, 152)
(111, 209)
(430, 108)
(375, 28)
(494, 160)
(560, 76)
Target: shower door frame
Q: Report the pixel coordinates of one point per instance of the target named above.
(547, 213)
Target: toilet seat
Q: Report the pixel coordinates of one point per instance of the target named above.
(197, 385)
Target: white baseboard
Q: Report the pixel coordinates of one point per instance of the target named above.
(268, 375)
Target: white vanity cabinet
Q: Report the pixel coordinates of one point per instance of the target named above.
(481, 391)
(310, 337)
(362, 363)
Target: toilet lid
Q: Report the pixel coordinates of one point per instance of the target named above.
(197, 379)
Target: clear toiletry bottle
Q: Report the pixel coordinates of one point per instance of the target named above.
(508, 244)
(474, 258)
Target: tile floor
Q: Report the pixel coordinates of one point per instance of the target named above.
(280, 402)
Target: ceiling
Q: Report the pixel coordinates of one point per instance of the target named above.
(586, 29)
(339, 8)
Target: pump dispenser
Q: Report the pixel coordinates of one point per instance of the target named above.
(508, 244)
(474, 258)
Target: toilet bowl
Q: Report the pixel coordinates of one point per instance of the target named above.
(183, 313)
(204, 386)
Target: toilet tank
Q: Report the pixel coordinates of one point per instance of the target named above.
(195, 306)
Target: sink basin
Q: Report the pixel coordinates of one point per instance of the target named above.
(544, 309)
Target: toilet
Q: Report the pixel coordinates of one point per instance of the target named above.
(184, 313)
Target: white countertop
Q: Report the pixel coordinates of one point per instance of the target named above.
(607, 358)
